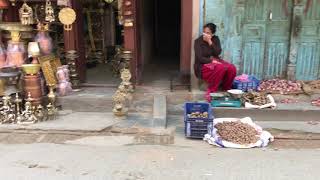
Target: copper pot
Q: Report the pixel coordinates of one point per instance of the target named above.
(32, 84)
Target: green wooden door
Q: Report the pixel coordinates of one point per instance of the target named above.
(308, 41)
(266, 34)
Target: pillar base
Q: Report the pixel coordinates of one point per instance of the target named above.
(291, 72)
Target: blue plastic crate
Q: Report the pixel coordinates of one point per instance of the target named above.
(253, 84)
(191, 107)
(197, 127)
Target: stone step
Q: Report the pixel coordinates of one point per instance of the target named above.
(159, 111)
(88, 100)
(269, 114)
(280, 114)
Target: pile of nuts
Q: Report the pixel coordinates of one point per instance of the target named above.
(255, 98)
(198, 115)
(237, 132)
(316, 102)
(280, 86)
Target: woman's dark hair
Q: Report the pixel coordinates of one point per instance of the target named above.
(211, 26)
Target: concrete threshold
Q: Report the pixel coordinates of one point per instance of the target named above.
(159, 111)
(269, 114)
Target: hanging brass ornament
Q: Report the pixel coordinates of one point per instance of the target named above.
(26, 14)
(67, 17)
(49, 12)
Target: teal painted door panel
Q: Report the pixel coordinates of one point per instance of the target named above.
(253, 35)
(308, 54)
(266, 35)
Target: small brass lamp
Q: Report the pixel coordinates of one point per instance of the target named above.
(34, 51)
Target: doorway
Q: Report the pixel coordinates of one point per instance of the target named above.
(102, 35)
(160, 32)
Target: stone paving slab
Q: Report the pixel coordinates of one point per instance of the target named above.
(308, 127)
(70, 121)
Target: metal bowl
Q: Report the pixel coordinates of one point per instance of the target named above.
(31, 69)
(235, 93)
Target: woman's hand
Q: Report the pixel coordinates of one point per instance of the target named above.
(207, 38)
(214, 61)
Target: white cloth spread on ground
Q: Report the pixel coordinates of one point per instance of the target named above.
(214, 138)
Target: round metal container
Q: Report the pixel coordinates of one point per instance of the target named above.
(32, 84)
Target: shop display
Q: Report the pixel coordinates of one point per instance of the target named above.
(32, 82)
(280, 86)
(45, 42)
(71, 57)
(50, 17)
(26, 14)
(64, 86)
(16, 54)
(48, 71)
(67, 17)
(2, 56)
(7, 114)
(34, 51)
(119, 108)
(10, 78)
(13, 112)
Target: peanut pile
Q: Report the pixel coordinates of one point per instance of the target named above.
(237, 132)
(255, 98)
(198, 115)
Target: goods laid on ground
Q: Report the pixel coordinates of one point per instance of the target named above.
(280, 86)
(198, 119)
(256, 98)
(316, 102)
(237, 133)
(311, 87)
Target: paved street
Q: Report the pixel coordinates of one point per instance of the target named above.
(116, 158)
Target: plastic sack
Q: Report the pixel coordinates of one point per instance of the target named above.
(214, 138)
(272, 104)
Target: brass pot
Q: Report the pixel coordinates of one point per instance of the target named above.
(31, 69)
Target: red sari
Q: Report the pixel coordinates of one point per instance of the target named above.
(216, 74)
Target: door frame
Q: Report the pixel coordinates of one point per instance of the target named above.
(132, 39)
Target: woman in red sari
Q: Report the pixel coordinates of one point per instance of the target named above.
(208, 64)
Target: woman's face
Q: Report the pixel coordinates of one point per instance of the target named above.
(206, 30)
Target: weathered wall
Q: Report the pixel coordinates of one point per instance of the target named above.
(268, 38)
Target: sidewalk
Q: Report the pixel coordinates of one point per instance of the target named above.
(89, 112)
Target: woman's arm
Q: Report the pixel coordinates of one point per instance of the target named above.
(216, 47)
(199, 53)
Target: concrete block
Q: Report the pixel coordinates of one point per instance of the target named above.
(159, 111)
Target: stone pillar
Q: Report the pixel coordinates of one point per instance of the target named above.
(195, 33)
(297, 14)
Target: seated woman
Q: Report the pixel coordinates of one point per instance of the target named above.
(208, 65)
